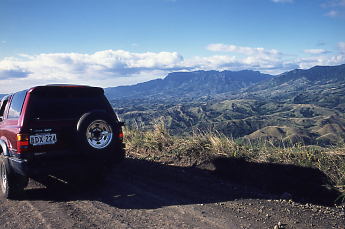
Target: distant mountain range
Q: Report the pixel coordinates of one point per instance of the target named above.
(190, 84)
(297, 106)
(247, 83)
(317, 82)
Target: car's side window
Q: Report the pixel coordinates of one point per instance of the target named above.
(16, 105)
(3, 104)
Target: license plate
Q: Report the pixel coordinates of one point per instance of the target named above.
(42, 139)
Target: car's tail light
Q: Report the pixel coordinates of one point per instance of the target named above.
(22, 143)
(121, 135)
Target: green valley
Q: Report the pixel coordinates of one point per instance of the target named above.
(300, 106)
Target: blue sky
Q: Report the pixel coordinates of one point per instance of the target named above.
(118, 42)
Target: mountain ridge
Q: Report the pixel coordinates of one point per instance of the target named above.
(190, 84)
(243, 84)
(305, 106)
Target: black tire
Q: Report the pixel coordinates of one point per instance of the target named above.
(12, 184)
(97, 132)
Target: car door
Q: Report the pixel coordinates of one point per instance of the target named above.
(10, 124)
(4, 104)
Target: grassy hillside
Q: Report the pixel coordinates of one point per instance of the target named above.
(243, 118)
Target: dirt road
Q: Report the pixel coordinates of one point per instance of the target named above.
(142, 194)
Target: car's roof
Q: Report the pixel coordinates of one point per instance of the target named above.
(65, 87)
(55, 86)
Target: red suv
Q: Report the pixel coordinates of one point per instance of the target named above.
(56, 128)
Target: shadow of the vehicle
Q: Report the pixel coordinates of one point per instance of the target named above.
(141, 184)
(290, 181)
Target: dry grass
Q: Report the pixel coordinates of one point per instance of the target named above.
(199, 147)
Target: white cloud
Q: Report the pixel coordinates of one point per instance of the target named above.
(332, 13)
(341, 47)
(242, 50)
(283, 1)
(336, 8)
(316, 51)
(118, 67)
(334, 3)
(309, 62)
(99, 67)
(274, 61)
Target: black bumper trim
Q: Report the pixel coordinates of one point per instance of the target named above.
(32, 168)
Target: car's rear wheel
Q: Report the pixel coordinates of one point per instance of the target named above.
(12, 185)
(96, 132)
(99, 134)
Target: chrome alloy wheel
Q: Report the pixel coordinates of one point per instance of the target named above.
(3, 175)
(99, 134)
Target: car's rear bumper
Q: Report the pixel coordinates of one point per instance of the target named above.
(64, 164)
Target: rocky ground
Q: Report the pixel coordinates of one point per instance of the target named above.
(144, 194)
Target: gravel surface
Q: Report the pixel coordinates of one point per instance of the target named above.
(143, 194)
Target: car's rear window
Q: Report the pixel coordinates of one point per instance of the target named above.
(65, 103)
